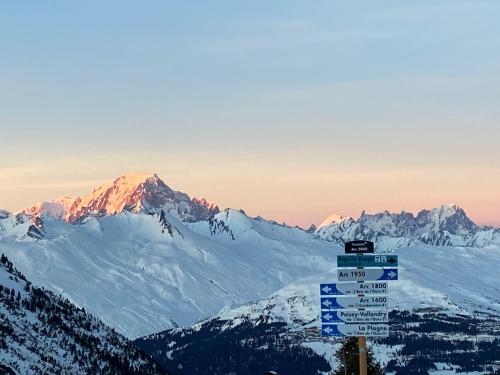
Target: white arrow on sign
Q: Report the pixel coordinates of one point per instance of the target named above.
(327, 303)
(328, 329)
(328, 317)
(326, 289)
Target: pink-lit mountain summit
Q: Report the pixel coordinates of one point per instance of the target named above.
(134, 192)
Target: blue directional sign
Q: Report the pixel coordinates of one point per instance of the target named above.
(354, 316)
(371, 330)
(354, 302)
(342, 289)
(368, 274)
(367, 260)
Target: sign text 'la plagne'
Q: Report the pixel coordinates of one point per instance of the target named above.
(372, 330)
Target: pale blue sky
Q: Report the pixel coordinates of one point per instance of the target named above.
(262, 105)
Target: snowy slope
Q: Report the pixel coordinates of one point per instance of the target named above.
(42, 333)
(132, 273)
(446, 299)
(455, 280)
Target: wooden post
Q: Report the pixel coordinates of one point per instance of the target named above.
(363, 367)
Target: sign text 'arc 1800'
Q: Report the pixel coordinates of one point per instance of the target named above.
(349, 288)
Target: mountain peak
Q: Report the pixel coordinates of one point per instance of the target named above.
(133, 192)
(333, 219)
(130, 181)
(448, 209)
(135, 179)
(451, 218)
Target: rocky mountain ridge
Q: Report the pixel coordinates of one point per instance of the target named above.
(139, 193)
(441, 226)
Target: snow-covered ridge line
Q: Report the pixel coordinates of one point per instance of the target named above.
(445, 225)
(146, 193)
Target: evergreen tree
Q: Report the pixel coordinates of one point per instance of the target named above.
(348, 357)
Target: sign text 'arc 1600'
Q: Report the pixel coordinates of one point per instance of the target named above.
(354, 302)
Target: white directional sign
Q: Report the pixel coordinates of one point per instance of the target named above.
(370, 330)
(367, 274)
(340, 289)
(348, 316)
(365, 302)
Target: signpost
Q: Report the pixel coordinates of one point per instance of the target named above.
(369, 274)
(367, 260)
(342, 289)
(357, 304)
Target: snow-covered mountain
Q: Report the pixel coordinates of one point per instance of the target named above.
(42, 333)
(139, 193)
(144, 257)
(142, 273)
(441, 226)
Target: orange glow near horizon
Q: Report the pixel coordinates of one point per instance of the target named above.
(284, 192)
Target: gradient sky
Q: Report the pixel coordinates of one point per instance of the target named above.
(288, 109)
